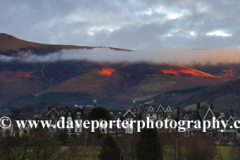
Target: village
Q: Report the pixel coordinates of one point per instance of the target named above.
(144, 111)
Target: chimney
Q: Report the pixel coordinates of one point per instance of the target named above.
(66, 107)
(198, 106)
(169, 103)
(49, 108)
(178, 111)
(231, 112)
(95, 103)
(211, 106)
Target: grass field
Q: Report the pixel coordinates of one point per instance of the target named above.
(223, 153)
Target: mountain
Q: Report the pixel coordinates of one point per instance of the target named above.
(114, 85)
(12, 46)
(224, 95)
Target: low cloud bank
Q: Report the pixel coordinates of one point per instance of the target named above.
(161, 55)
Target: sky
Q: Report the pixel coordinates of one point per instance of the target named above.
(130, 24)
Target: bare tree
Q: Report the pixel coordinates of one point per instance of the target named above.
(41, 108)
(29, 110)
(38, 145)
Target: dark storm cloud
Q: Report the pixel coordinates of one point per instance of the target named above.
(126, 24)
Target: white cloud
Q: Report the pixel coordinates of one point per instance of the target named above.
(218, 33)
(160, 55)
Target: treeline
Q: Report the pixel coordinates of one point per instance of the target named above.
(51, 98)
(62, 98)
(169, 96)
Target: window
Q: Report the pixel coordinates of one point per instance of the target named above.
(150, 115)
(222, 115)
(53, 114)
(161, 116)
(52, 129)
(69, 114)
(210, 133)
(169, 116)
(69, 129)
(111, 130)
(129, 130)
(119, 130)
(78, 115)
(62, 114)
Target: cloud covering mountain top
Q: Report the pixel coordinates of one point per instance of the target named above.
(161, 55)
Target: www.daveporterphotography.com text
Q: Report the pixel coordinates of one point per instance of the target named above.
(180, 125)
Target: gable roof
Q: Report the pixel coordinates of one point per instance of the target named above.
(209, 111)
(128, 112)
(192, 115)
(231, 118)
(168, 109)
(186, 117)
(222, 115)
(150, 109)
(52, 110)
(202, 112)
(155, 106)
(160, 106)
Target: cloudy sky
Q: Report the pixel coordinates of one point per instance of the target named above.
(132, 24)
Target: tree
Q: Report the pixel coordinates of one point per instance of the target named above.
(99, 113)
(29, 110)
(148, 146)
(15, 111)
(41, 108)
(199, 148)
(109, 150)
(38, 145)
(128, 145)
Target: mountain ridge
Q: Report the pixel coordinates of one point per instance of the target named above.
(11, 46)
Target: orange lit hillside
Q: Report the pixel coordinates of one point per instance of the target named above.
(186, 71)
(107, 71)
(227, 73)
(26, 74)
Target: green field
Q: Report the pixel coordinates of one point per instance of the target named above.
(90, 153)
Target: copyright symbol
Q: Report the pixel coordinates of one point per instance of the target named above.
(5, 122)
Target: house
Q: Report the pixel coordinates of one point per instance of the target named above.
(129, 115)
(229, 132)
(156, 112)
(14, 130)
(207, 113)
(69, 113)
